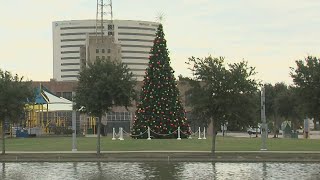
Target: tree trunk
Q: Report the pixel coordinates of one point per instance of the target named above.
(275, 127)
(2, 136)
(213, 148)
(98, 134)
(315, 119)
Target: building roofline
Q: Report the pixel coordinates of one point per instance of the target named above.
(79, 20)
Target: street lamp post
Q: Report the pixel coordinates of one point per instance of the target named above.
(74, 127)
(263, 119)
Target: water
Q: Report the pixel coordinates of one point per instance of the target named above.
(165, 171)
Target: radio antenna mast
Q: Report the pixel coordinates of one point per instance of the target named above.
(104, 9)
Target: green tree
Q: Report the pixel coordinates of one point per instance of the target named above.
(160, 107)
(14, 96)
(273, 104)
(103, 85)
(306, 78)
(289, 106)
(223, 94)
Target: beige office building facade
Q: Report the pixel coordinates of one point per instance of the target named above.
(134, 38)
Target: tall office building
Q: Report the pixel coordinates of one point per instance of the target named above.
(134, 37)
(98, 47)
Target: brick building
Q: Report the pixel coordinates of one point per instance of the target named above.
(119, 117)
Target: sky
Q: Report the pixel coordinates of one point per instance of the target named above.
(270, 34)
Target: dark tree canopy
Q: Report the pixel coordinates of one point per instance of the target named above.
(160, 107)
(104, 84)
(306, 78)
(282, 103)
(15, 94)
(222, 94)
(273, 92)
(101, 86)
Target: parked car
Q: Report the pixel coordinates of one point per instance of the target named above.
(251, 130)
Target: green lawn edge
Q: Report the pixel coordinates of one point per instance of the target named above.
(128, 144)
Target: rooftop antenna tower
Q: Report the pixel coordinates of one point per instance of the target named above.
(104, 9)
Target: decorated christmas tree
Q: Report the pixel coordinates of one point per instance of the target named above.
(160, 107)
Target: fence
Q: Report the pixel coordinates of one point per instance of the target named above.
(121, 133)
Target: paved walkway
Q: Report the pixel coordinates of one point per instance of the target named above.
(313, 135)
(161, 156)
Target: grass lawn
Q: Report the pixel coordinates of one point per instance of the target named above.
(223, 144)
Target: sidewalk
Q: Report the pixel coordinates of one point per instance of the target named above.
(313, 135)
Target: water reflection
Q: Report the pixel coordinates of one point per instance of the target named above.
(264, 171)
(163, 170)
(157, 170)
(3, 170)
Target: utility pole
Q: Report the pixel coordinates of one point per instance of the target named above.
(264, 130)
(74, 126)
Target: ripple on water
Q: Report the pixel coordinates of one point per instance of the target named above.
(172, 171)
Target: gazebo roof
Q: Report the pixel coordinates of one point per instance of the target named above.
(55, 103)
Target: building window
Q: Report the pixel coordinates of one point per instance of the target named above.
(137, 28)
(103, 57)
(137, 34)
(110, 27)
(65, 58)
(110, 33)
(70, 64)
(68, 52)
(97, 57)
(139, 40)
(140, 52)
(109, 50)
(66, 40)
(80, 27)
(128, 57)
(67, 95)
(103, 50)
(97, 50)
(69, 76)
(67, 70)
(118, 116)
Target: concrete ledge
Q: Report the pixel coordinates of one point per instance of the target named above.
(163, 156)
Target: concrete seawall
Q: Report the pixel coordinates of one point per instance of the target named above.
(163, 156)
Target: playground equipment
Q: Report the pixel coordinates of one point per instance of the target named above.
(47, 111)
(89, 125)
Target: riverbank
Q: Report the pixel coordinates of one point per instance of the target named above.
(162, 156)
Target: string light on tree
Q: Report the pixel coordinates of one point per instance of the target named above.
(160, 107)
